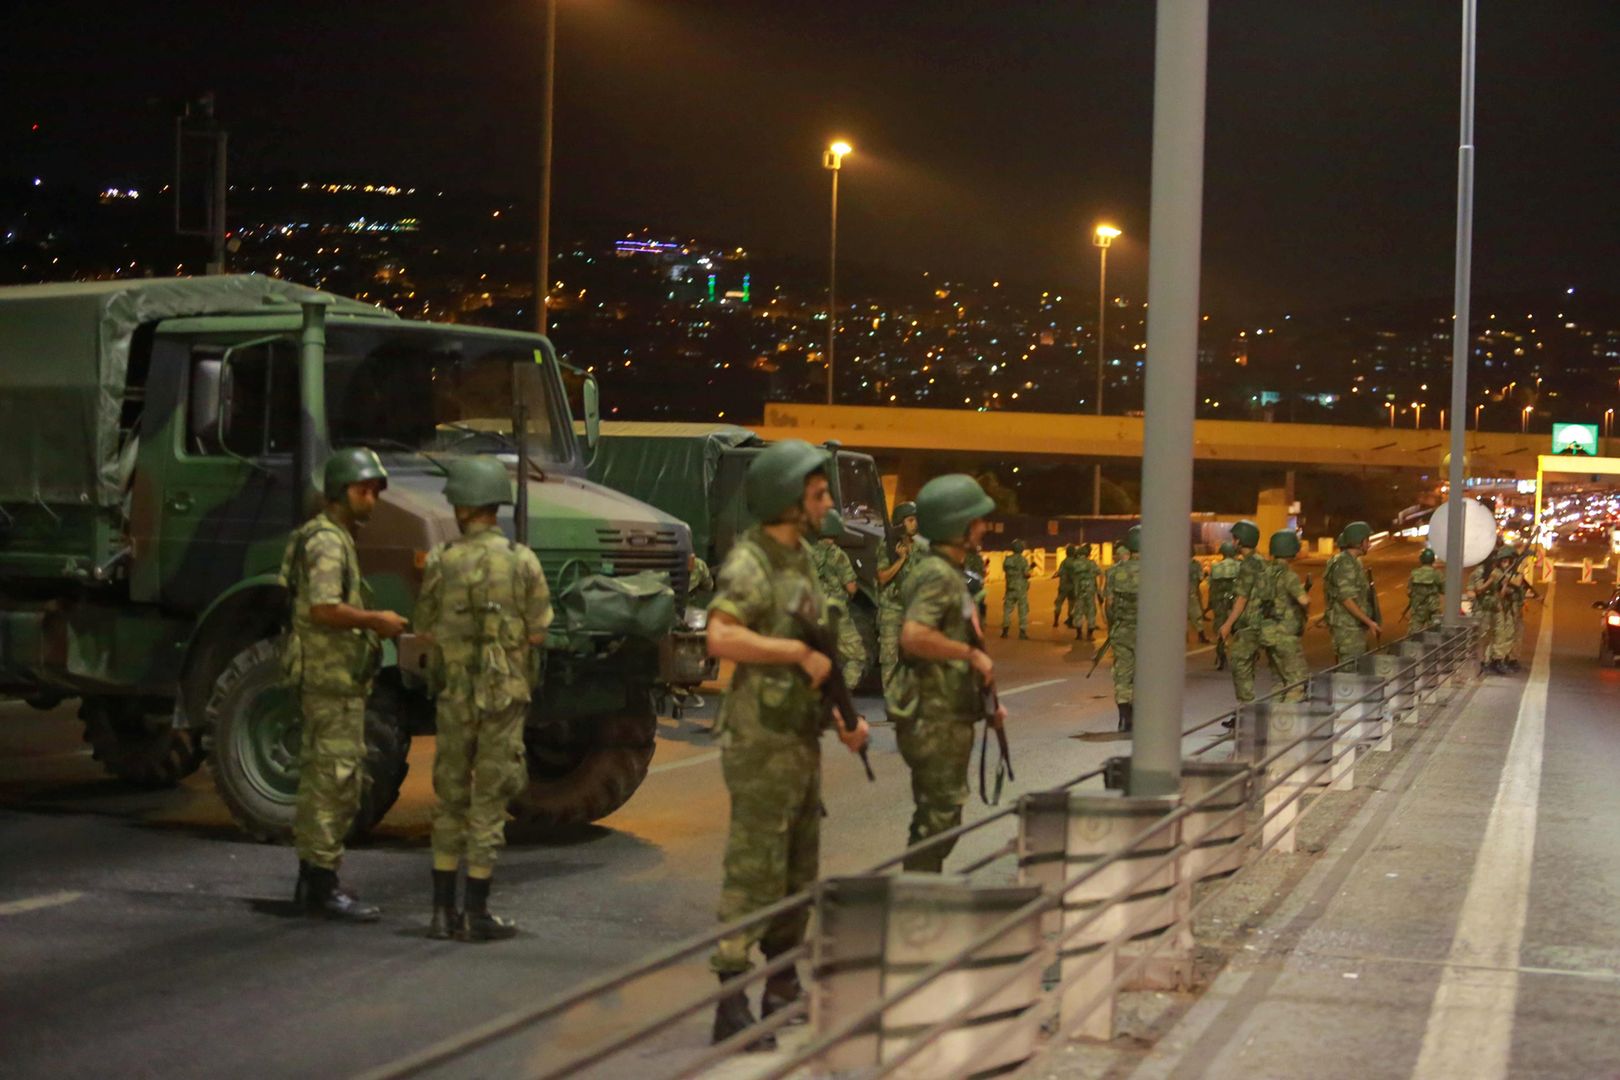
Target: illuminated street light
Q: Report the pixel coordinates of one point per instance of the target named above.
(1417, 422)
(1477, 409)
(833, 161)
(1524, 419)
(1390, 405)
(1608, 424)
(1102, 236)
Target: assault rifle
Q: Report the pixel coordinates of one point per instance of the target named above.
(834, 690)
(989, 711)
(1108, 643)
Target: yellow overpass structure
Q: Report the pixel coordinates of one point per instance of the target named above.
(880, 428)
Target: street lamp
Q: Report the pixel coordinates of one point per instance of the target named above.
(1524, 419)
(1417, 421)
(1390, 405)
(542, 284)
(833, 161)
(1608, 423)
(1101, 237)
(1477, 409)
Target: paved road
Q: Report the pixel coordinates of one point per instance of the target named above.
(142, 935)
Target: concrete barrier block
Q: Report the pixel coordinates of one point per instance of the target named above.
(1215, 831)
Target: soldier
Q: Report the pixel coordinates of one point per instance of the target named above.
(1516, 589)
(1282, 617)
(974, 567)
(937, 699)
(1250, 593)
(1195, 600)
(1483, 586)
(1222, 582)
(484, 609)
(1124, 583)
(1065, 589)
(1347, 588)
(1424, 591)
(330, 658)
(891, 574)
(835, 574)
(1015, 568)
(770, 721)
(1083, 610)
(699, 581)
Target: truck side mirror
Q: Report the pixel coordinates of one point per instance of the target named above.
(593, 414)
(209, 405)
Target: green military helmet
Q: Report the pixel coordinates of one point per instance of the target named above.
(351, 465)
(947, 505)
(775, 481)
(1246, 534)
(1133, 539)
(1229, 549)
(1508, 552)
(1284, 544)
(1426, 557)
(477, 481)
(832, 526)
(1355, 534)
(905, 510)
(1018, 547)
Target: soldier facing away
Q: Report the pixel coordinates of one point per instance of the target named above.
(484, 609)
(1424, 591)
(936, 699)
(1222, 583)
(1065, 589)
(1015, 568)
(330, 658)
(836, 576)
(1282, 616)
(891, 575)
(1124, 584)
(1083, 611)
(770, 721)
(1195, 600)
(1250, 592)
(1346, 587)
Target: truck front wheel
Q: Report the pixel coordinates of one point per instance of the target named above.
(138, 744)
(585, 777)
(255, 729)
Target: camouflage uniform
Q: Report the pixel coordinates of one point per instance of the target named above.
(835, 573)
(974, 564)
(1426, 590)
(1065, 590)
(890, 608)
(700, 586)
(1514, 595)
(1222, 591)
(934, 705)
(1488, 606)
(1123, 584)
(1015, 568)
(1282, 621)
(1195, 599)
(482, 598)
(332, 672)
(1253, 584)
(1083, 611)
(1346, 579)
(770, 723)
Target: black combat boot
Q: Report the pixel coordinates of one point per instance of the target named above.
(478, 924)
(1126, 715)
(324, 897)
(1023, 635)
(1054, 621)
(781, 990)
(447, 918)
(732, 1015)
(1004, 630)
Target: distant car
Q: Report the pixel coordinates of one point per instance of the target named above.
(1609, 629)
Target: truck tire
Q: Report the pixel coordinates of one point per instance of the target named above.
(138, 745)
(255, 728)
(866, 621)
(585, 780)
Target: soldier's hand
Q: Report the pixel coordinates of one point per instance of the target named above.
(816, 667)
(1376, 628)
(857, 739)
(999, 720)
(980, 661)
(389, 624)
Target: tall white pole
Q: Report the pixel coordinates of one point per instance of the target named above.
(542, 284)
(832, 288)
(1175, 248)
(1461, 338)
(1102, 329)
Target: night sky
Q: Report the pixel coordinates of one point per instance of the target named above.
(989, 135)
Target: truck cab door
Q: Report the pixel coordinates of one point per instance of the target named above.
(215, 479)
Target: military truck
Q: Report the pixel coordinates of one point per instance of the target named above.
(160, 438)
(694, 472)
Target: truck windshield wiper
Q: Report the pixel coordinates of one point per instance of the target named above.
(397, 444)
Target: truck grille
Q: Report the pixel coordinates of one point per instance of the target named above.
(634, 550)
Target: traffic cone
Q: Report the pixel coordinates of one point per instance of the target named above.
(1586, 571)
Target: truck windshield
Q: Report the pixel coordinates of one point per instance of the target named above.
(438, 391)
(860, 490)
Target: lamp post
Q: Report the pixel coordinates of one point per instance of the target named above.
(1390, 405)
(1477, 410)
(833, 161)
(1524, 419)
(1608, 423)
(1417, 421)
(542, 284)
(1101, 236)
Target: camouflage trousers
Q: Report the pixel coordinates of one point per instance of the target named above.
(889, 619)
(1349, 640)
(1243, 654)
(1502, 630)
(1425, 617)
(1124, 668)
(1064, 595)
(1286, 652)
(1219, 610)
(331, 775)
(851, 651)
(1083, 611)
(1195, 611)
(478, 767)
(774, 847)
(1018, 598)
(937, 752)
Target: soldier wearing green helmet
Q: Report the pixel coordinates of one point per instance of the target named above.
(1347, 587)
(484, 609)
(1222, 583)
(1424, 591)
(1121, 592)
(770, 721)
(1083, 611)
(330, 657)
(1282, 615)
(934, 699)
(1065, 591)
(1241, 629)
(893, 567)
(1015, 569)
(836, 576)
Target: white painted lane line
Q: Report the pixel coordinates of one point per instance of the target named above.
(695, 759)
(1470, 1028)
(1027, 687)
(35, 903)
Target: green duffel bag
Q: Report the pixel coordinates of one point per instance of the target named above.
(595, 605)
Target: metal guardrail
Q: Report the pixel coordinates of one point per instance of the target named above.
(1276, 774)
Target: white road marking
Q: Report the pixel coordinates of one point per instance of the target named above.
(1011, 691)
(1470, 1028)
(35, 903)
(695, 759)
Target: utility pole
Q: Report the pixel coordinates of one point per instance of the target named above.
(542, 282)
(197, 126)
(1461, 338)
